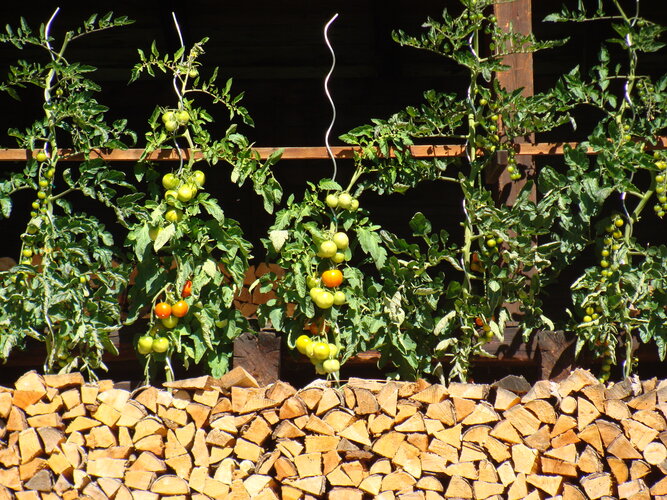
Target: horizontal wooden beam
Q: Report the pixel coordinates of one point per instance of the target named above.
(307, 152)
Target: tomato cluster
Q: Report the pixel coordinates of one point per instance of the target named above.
(342, 200)
(660, 208)
(321, 354)
(175, 118)
(169, 316)
(324, 287)
(484, 330)
(612, 244)
(512, 167)
(332, 249)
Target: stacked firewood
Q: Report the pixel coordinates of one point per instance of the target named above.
(228, 438)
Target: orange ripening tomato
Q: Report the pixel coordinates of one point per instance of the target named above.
(475, 264)
(479, 321)
(187, 289)
(180, 308)
(162, 310)
(332, 278)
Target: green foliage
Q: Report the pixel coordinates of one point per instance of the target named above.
(65, 290)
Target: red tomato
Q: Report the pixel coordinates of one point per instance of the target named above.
(332, 278)
(180, 308)
(162, 310)
(187, 289)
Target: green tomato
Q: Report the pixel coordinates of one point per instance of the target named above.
(169, 181)
(168, 116)
(41, 195)
(169, 322)
(320, 351)
(193, 73)
(354, 205)
(182, 116)
(344, 201)
(171, 125)
(145, 345)
(339, 298)
(302, 343)
(331, 200)
(327, 249)
(171, 196)
(160, 344)
(324, 299)
(186, 192)
(41, 157)
(338, 258)
(330, 365)
(341, 240)
(154, 232)
(198, 177)
(50, 173)
(173, 215)
(316, 290)
(333, 351)
(312, 281)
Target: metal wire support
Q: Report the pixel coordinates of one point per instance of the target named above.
(328, 94)
(178, 90)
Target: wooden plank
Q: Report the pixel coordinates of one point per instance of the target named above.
(313, 152)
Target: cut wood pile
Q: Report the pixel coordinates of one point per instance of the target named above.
(227, 438)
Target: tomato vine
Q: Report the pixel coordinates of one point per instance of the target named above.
(65, 290)
(182, 237)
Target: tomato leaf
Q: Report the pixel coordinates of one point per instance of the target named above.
(370, 243)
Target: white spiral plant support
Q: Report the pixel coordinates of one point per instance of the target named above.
(328, 94)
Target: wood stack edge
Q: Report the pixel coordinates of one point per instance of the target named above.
(229, 438)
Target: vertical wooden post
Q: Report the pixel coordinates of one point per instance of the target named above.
(518, 15)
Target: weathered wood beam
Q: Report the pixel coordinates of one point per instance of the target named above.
(516, 15)
(311, 152)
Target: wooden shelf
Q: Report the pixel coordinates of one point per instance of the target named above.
(306, 152)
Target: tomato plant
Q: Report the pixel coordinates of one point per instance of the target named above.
(335, 296)
(64, 292)
(496, 261)
(189, 253)
(507, 255)
(623, 294)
